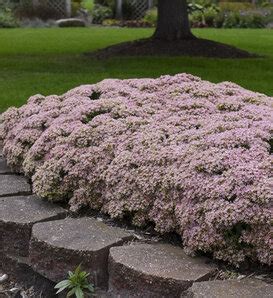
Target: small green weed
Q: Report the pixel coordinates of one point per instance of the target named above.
(76, 284)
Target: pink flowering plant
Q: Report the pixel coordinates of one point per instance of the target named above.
(188, 155)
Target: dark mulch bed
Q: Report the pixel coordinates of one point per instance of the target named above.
(189, 47)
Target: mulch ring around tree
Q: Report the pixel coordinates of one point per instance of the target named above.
(188, 47)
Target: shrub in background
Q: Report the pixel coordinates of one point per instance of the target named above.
(100, 13)
(128, 7)
(7, 19)
(210, 13)
(235, 6)
(247, 19)
(75, 6)
(151, 17)
(197, 20)
(88, 5)
(188, 155)
(269, 17)
(226, 15)
(111, 22)
(108, 3)
(126, 23)
(252, 19)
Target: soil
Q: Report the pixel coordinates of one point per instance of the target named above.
(188, 47)
(11, 288)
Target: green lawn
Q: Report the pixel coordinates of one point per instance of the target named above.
(50, 61)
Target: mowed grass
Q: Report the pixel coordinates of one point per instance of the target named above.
(51, 61)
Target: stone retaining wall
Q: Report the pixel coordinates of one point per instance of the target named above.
(40, 242)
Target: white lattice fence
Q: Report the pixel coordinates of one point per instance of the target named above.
(62, 7)
(58, 5)
(140, 7)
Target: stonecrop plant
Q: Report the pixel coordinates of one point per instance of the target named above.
(188, 155)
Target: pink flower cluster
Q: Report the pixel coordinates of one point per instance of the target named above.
(187, 155)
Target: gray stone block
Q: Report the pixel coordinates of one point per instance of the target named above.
(158, 270)
(71, 22)
(67, 243)
(12, 185)
(4, 169)
(244, 288)
(17, 216)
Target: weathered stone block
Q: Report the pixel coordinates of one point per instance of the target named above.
(12, 185)
(158, 270)
(67, 243)
(4, 169)
(72, 22)
(245, 288)
(17, 216)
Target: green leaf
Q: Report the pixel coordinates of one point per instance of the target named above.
(90, 288)
(83, 274)
(71, 292)
(79, 293)
(61, 284)
(77, 270)
(61, 289)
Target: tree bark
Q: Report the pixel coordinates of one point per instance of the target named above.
(173, 20)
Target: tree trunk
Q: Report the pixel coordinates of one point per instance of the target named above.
(173, 21)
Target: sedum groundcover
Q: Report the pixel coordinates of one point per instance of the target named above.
(188, 155)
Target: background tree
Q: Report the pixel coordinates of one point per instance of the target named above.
(172, 36)
(173, 21)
